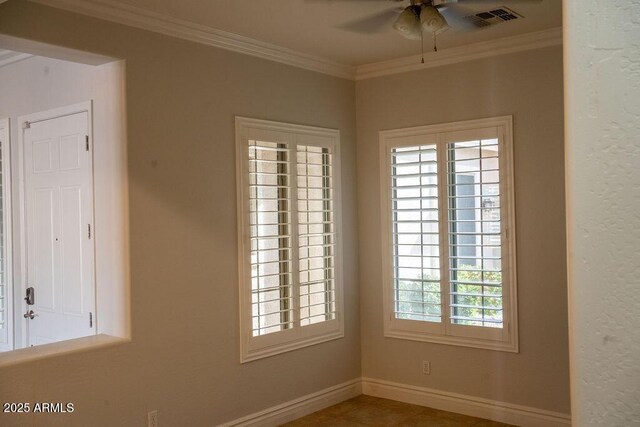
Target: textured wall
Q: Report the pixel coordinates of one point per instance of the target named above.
(602, 58)
(527, 85)
(184, 355)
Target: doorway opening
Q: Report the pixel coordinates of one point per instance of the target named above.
(63, 197)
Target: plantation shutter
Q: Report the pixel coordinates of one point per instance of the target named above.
(3, 249)
(288, 219)
(316, 234)
(270, 213)
(475, 232)
(6, 321)
(292, 232)
(415, 233)
(448, 209)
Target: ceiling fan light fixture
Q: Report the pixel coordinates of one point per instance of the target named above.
(408, 23)
(432, 20)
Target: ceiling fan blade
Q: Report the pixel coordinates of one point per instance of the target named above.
(372, 23)
(489, 1)
(354, 1)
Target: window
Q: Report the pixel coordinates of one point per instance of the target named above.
(288, 230)
(449, 234)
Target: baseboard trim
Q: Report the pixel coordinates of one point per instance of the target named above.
(467, 405)
(300, 407)
(446, 401)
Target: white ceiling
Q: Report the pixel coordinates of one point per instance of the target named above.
(313, 26)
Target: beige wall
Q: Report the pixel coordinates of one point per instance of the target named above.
(183, 359)
(527, 85)
(603, 203)
(184, 356)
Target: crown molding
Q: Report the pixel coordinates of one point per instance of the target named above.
(140, 18)
(163, 24)
(9, 57)
(502, 46)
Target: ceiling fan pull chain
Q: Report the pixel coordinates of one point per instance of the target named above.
(422, 44)
(435, 46)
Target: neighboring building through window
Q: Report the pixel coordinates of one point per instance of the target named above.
(449, 233)
(288, 210)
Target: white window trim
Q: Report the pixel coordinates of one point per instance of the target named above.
(253, 348)
(505, 339)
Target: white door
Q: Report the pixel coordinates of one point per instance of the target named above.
(59, 215)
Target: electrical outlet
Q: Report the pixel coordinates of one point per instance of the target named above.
(426, 367)
(152, 419)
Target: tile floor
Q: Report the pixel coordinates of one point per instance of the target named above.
(372, 411)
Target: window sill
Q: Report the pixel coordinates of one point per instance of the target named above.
(511, 347)
(261, 347)
(29, 354)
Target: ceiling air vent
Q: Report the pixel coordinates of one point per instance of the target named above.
(493, 17)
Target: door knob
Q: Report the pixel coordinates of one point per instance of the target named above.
(29, 314)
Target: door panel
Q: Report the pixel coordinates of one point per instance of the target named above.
(41, 156)
(42, 270)
(59, 211)
(70, 147)
(71, 249)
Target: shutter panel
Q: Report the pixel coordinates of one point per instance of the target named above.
(415, 233)
(475, 241)
(279, 301)
(316, 234)
(3, 249)
(270, 235)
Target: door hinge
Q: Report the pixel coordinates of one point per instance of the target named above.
(90, 319)
(89, 230)
(26, 125)
(86, 140)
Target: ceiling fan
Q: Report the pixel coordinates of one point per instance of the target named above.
(420, 16)
(423, 16)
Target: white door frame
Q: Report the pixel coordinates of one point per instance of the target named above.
(81, 107)
(5, 137)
